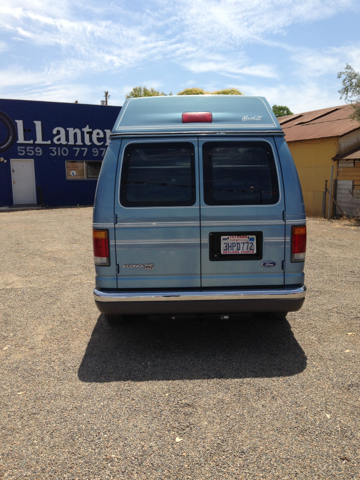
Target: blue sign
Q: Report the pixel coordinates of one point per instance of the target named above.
(65, 142)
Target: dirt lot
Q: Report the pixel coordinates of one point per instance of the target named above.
(236, 399)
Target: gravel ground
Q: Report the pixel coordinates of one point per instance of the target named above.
(235, 399)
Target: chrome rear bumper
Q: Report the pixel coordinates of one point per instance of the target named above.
(288, 299)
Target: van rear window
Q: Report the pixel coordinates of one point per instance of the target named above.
(239, 173)
(158, 174)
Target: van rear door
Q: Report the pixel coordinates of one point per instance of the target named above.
(242, 205)
(157, 230)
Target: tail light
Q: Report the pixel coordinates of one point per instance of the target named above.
(298, 243)
(101, 247)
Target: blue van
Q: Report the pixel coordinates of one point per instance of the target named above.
(198, 210)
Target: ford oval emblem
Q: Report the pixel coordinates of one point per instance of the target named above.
(268, 264)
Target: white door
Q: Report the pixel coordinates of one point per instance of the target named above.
(23, 181)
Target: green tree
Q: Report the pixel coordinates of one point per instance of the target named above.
(351, 89)
(227, 91)
(192, 91)
(144, 92)
(281, 111)
(200, 91)
(151, 92)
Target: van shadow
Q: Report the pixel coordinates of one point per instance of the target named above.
(242, 347)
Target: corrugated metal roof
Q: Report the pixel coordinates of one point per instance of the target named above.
(353, 156)
(326, 122)
(315, 115)
(350, 155)
(288, 118)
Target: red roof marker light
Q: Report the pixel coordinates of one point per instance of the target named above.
(197, 117)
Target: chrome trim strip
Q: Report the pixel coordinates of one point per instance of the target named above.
(142, 134)
(158, 224)
(155, 241)
(181, 127)
(296, 222)
(273, 240)
(235, 223)
(195, 241)
(285, 294)
(103, 225)
(232, 223)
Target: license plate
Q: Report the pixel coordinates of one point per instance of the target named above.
(238, 245)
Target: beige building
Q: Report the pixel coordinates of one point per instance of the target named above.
(318, 141)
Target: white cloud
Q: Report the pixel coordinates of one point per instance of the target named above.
(3, 47)
(203, 37)
(62, 92)
(299, 98)
(165, 30)
(221, 65)
(17, 75)
(228, 22)
(348, 54)
(315, 63)
(20, 8)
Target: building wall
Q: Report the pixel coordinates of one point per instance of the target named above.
(349, 141)
(65, 142)
(313, 160)
(348, 191)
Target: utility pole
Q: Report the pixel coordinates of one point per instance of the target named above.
(107, 96)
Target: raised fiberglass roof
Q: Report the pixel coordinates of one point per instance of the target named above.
(229, 113)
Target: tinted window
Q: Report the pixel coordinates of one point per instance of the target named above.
(239, 173)
(158, 174)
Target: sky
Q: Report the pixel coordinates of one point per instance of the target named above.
(288, 51)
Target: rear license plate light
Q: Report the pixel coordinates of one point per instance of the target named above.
(298, 243)
(101, 247)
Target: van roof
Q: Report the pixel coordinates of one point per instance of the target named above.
(164, 115)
